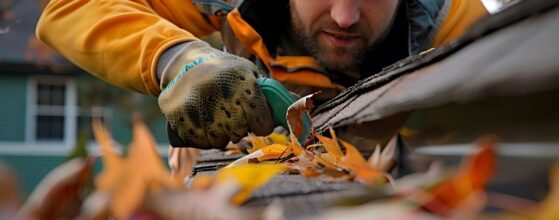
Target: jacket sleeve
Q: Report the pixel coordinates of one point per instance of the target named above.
(460, 16)
(120, 41)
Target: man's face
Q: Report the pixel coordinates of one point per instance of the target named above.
(339, 32)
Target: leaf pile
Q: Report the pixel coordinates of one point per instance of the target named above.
(139, 186)
(329, 157)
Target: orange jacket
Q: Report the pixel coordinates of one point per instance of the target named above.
(120, 41)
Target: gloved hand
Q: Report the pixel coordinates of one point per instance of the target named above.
(210, 97)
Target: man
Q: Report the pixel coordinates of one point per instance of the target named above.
(210, 97)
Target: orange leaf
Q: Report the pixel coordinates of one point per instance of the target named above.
(295, 114)
(353, 154)
(295, 145)
(270, 152)
(326, 160)
(257, 142)
(127, 180)
(113, 163)
(331, 146)
(472, 178)
(274, 152)
(354, 161)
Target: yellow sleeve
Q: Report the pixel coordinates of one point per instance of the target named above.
(461, 15)
(120, 41)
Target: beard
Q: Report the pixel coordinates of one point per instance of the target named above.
(332, 58)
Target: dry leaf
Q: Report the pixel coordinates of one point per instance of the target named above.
(181, 161)
(10, 197)
(472, 178)
(326, 160)
(364, 173)
(270, 152)
(331, 145)
(304, 166)
(384, 160)
(275, 152)
(295, 116)
(295, 145)
(128, 180)
(58, 194)
(257, 142)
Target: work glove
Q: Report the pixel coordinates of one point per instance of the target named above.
(210, 97)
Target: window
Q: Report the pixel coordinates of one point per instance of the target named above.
(55, 117)
(50, 104)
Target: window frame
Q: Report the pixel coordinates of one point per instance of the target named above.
(70, 110)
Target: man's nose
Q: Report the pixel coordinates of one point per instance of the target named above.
(345, 12)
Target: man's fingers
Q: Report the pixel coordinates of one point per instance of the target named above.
(257, 113)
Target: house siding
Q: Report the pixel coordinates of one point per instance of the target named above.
(13, 96)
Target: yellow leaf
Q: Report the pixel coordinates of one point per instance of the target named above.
(278, 138)
(249, 177)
